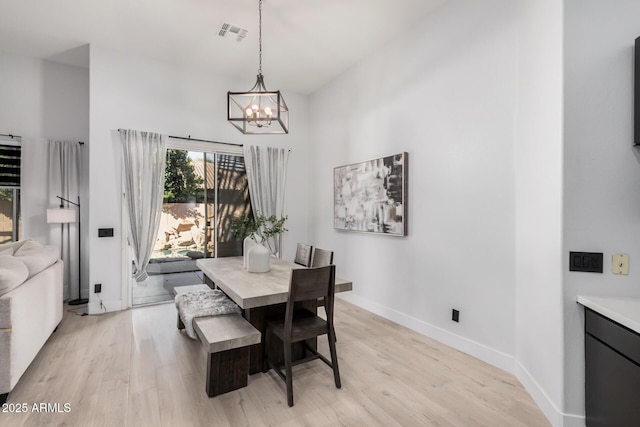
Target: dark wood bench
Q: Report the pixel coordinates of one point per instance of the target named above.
(226, 339)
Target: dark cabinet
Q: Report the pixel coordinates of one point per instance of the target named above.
(612, 373)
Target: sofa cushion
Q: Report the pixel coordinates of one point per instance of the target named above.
(37, 257)
(13, 273)
(14, 246)
(6, 251)
(26, 246)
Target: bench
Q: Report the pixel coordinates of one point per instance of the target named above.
(226, 339)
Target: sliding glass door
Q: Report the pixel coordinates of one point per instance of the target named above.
(203, 191)
(232, 200)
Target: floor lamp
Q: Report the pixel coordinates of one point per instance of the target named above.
(64, 216)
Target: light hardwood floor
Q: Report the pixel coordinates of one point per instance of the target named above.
(133, 368)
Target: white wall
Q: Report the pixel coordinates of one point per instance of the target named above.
(475, 96)
(21, 113)
(538, 162)
(445, 92)
(42, 100)
(20, 95)
(602, 169)
(134, 93)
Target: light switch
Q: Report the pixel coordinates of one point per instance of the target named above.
(620, 264)
(590, 262)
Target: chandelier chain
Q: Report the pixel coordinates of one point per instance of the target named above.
(260, 37)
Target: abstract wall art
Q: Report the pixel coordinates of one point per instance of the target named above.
(371, 196)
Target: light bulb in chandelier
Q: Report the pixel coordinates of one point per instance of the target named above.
(257, 116)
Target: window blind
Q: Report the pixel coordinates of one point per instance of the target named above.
(10, 165)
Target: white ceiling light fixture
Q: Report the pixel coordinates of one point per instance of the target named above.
(258, 111)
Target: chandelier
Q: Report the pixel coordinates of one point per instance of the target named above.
(258, 111)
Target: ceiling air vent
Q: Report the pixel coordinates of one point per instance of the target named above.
(228, 29)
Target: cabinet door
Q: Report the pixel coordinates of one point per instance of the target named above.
(612, 387)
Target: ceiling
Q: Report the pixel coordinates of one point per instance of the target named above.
(306, 43)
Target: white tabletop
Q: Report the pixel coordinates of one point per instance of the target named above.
(250, 290)
(623, 310)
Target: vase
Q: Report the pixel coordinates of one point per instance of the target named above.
(246, 247)
(258, 259)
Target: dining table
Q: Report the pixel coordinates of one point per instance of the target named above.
(261, 296)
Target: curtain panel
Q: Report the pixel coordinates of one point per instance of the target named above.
(267, 175)
(144, 155)
(64, 181)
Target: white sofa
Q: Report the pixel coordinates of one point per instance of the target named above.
(31, 306)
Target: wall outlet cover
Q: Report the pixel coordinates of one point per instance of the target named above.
(620, 264)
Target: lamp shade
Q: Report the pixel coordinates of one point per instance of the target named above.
(61, 216)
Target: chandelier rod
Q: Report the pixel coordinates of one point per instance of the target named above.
(260, 37)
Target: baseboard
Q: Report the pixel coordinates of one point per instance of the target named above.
(95, 308)
(549, 409)
(480, 351)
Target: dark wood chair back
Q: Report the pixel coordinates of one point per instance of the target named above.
(321, 257)
(232, 248)
(303, 254)
(309, 284)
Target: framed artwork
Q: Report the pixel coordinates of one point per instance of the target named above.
(371, 196)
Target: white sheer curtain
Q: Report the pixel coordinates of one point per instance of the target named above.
(144, 155)
(64, 181)
(267, 175)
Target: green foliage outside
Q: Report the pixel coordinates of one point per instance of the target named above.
(181, 185)
(243, 226)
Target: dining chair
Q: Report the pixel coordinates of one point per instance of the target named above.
(321, 258)
(300, 324)
(231, 248)
(303, 254)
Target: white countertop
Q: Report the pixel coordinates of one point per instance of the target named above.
(623, 310)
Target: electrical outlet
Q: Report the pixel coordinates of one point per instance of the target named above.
(97, 288)
(455, 315)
